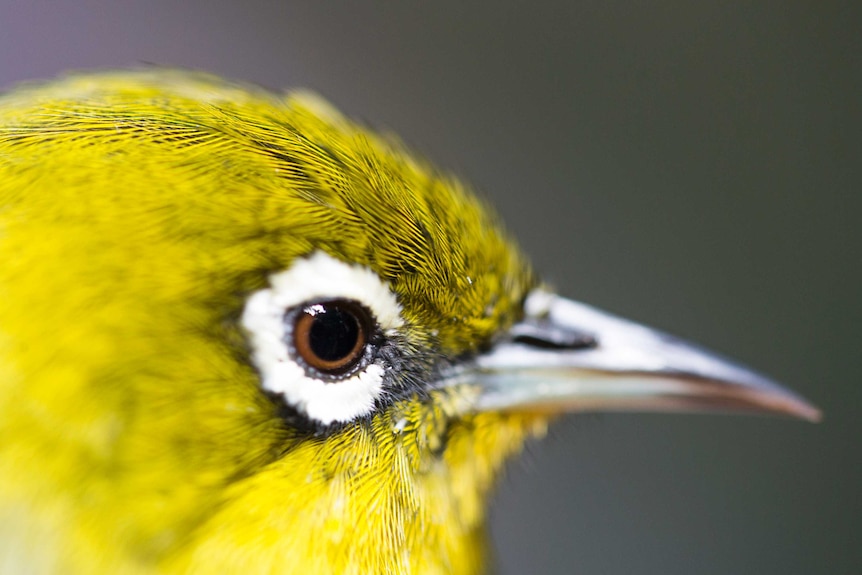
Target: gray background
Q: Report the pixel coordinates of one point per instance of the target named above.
(695, 166)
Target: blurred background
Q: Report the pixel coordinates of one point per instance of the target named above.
(694, 166)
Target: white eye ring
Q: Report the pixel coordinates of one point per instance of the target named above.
(311, 279)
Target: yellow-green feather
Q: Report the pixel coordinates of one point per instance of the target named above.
(137, 211)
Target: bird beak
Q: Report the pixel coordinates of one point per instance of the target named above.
(568, 357)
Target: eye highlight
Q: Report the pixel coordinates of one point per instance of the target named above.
(331, 336)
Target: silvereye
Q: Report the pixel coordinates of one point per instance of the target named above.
(240, 333)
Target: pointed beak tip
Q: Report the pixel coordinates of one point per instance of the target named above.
(782, 402)
(807, 412)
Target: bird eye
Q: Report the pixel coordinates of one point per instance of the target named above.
(321, 337)
(331, 336)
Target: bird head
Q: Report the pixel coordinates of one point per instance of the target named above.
(242, 333)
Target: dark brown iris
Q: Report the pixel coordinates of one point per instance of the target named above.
(331, 336)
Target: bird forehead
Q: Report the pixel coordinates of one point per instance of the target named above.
(250, 181)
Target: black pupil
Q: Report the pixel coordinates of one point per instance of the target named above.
(333, 334)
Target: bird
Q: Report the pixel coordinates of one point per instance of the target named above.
(241, 332)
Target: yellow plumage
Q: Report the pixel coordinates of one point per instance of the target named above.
(136, 211)
(143, 427)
